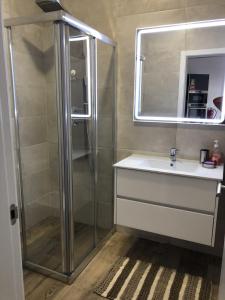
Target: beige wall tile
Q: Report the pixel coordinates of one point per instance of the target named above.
(47, 37)
(130, 23)
(106, 67)
(105, 101)
(105, 161)
(93, 13)
(156, 5)
(189, 3)
(156, 61)
(36, 186)
(51, 99)
(54, 178)
(55, 203)
(28, 39)
(148, 137)
(191, 139)
(145, 137)
(36, 212)
(84, 205)
(53, 154)
(104, 215)
(128, 16)
(133, 137)
(29, 69)
(207, 38)
(31, 101)
(208, 11)
(125, 101)
(32, 130)
(34, 158)
(123, 153)
(104, 189)
(50, 67)
(32, 63)
(52, 128)
(129, 7)
(133, 7)
(160, 93)
(6, 8)
(105, 132)
(23, 9)
(126, 68)
(81, 172)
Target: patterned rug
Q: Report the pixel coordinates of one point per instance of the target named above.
(158, 272)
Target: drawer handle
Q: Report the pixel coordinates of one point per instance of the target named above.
(220, 186)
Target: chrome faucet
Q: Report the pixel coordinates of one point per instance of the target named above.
(173, 154)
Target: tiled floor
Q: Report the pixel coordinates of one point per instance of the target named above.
(38, 287)
(44, 243)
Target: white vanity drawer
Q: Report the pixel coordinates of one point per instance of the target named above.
(177, 191)
(177, 223)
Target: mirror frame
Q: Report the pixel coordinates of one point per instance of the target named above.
(137, 117)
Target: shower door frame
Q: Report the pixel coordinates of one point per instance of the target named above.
(62, 37)
(61, 22)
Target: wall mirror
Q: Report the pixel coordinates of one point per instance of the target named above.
(180, 73)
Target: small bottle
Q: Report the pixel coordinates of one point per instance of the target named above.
(216, 155)
(192, 85)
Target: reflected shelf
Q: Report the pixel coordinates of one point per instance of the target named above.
(79, 154)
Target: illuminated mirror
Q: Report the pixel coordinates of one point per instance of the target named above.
(180, 73)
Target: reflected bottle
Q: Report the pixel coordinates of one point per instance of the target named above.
(216, 155)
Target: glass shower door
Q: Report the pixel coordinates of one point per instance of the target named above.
(105, 55)
(37, 140)
(82, 146)
(64, 118)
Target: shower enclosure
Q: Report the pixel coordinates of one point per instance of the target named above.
(63, 91)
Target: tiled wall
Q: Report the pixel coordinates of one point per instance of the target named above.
(120, 18)
(35, 88)
(161, 72)
(105, 80)
(128, 15)
(35, 83)
(94, 13)
(161, 67)
(15, 8)
(52, 117)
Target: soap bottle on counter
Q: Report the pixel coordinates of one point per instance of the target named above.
(216, 155)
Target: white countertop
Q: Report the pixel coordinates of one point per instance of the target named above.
(158, 164)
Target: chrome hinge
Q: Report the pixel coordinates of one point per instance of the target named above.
(13, 214)
(220, 187)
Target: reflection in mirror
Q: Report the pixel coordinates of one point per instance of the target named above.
(180, 73)
(202, 77)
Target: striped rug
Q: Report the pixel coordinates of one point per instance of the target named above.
(158, 272)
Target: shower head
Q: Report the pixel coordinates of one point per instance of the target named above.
(49, 5)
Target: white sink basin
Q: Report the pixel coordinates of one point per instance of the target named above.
(166, 164)
(159, 164)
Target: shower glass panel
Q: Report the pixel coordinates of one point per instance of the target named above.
(105, 138)
(63, 90)
(82, 146)
(37, 139)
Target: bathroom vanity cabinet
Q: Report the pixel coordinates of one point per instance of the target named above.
(180, 201)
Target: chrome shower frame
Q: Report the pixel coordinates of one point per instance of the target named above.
(61, 21)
